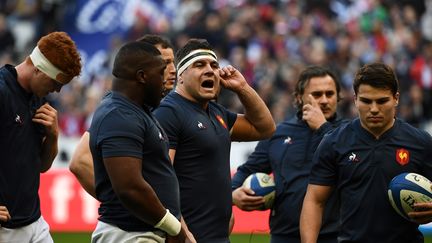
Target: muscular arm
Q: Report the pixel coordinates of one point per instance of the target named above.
(312, 212)
(133, 191)
(81, 165)
(257, 122)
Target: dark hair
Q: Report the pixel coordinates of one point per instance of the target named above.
(377, 75)
(312, 72)
(191, 45)
(131, 57)
(156, 40)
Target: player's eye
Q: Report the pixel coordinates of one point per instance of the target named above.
(366, 101)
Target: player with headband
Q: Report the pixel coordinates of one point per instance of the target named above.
(200, 132)
(29, 133)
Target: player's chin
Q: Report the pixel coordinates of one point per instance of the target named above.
(169, 84)
(208, 96)
(328, 114)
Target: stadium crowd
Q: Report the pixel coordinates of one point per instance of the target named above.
(269, 41)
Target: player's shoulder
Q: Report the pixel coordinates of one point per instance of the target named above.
(345, 127)
(344, 133)
(407, 131)
(171, 105)
(216, 106)
(174, 102)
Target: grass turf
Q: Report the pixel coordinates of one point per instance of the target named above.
(83, 237)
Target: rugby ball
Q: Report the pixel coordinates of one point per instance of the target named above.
(263, 185)
(406, 189)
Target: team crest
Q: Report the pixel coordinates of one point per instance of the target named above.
(221, 121)
(402, 156)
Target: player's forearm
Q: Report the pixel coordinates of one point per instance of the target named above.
(257, 112)
(49, 152)
(85, 175)
(141, 200)
(310, 222)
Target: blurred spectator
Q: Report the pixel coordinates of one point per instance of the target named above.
(269, 41)
(7, 40)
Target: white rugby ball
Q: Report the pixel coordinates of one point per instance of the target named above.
(406, 189)
(263, 185)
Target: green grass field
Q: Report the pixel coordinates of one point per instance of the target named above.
(85, 237)
(246, 238)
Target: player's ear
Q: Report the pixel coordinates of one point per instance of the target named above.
(141, 76)
(298, 100)
(396, 96)
(180, 79)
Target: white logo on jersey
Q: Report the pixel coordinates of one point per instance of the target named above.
(288, 140)
(200, 125)
(353, 157)
(18, 119)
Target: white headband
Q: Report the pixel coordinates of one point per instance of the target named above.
(192, 57)
(45, 66)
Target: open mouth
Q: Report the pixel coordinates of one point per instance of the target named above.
(207, 84)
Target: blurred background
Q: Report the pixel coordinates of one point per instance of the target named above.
(269, 41)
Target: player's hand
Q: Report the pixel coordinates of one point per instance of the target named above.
(232, 79)
(47, 116)
(422, 213)
(4, 214)
(189, 237)
(182, 237)
(312, 113)
(244, 199)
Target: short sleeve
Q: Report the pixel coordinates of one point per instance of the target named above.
(166, 116)
(121, 135)
(324, 170)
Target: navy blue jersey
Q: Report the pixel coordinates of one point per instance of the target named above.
(122, 129)
(360, 167)
(288, 155)
(20, 147)
(202, 142)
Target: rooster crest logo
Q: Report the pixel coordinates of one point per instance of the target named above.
(221, 121)
(402, 156)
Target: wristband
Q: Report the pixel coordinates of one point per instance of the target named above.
(170, 224)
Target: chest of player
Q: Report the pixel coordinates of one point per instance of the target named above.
(206, 129)
(17, 125)
(360, 160)
(293, 148)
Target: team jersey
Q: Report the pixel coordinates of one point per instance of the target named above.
(20, 147)
(288, 155)
(122, 129)
(202, 142)
(360, 167)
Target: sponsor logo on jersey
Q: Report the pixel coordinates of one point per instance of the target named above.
(353, 158)
(201, 126)
(18, 120)
(287, 140)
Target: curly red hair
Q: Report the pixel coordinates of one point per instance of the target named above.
(62, 52)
